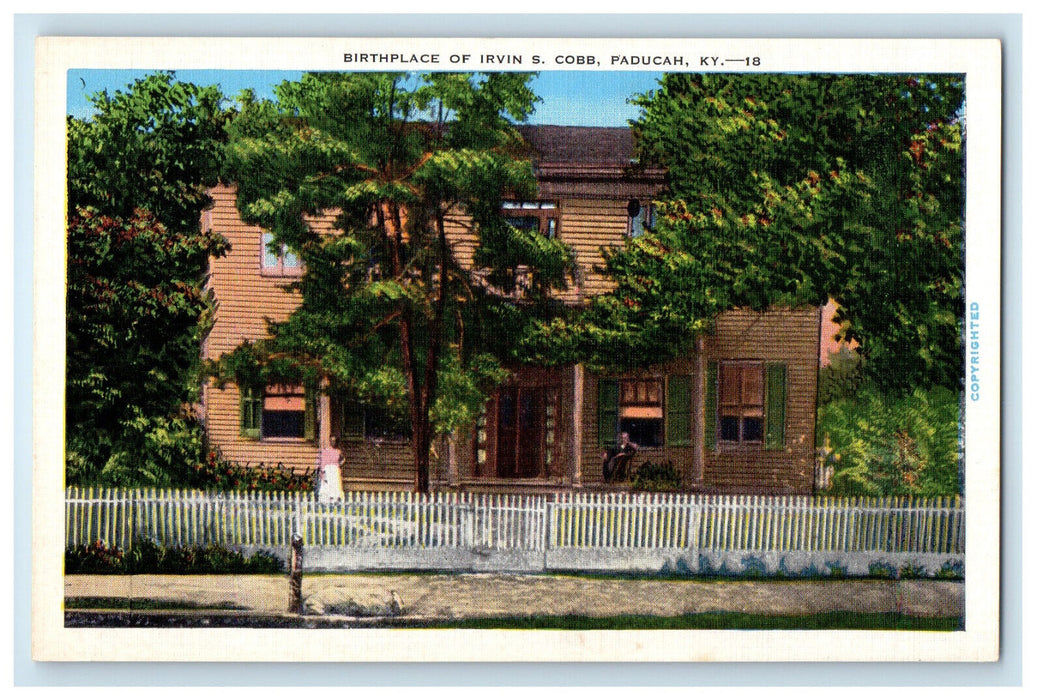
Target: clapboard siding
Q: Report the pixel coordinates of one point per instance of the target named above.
(372, 461)
(365, 460)
(787, 336)
(246, 298)
(588, 226)
(246, 301)
(463, 241)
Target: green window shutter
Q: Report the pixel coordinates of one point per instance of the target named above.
(608, 411)
(250, 412)
(679, 410)
(775, 419)
(310, 418)
(710, 407)
(353, 425)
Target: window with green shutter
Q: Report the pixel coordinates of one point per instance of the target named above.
(287, 411)
(250, 401)
(749, 400)
(740, 403)
(641, 411)
(608, 411)
(679, 410)
(775, 420)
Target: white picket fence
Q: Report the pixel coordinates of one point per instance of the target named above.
(601, 522)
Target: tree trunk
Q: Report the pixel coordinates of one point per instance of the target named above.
(422, 459)
(418, 393)
(434, 355)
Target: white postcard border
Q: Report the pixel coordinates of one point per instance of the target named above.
(979, 59)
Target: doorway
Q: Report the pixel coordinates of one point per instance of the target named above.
(525, 432)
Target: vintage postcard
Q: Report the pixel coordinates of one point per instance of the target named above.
(516, 350)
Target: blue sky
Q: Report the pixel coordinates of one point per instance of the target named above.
(580, 98)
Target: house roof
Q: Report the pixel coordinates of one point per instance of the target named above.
(589, 145)
(589, 161)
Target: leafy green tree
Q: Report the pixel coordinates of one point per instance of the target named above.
(795, 188)
(156, 146)
(885, 445)
(389, 315)
(136, 306)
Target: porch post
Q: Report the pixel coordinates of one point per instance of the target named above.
(325, 433)
(576, 463)
(452, 467)
(695, 478)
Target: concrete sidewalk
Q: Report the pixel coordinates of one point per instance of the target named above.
(461, 596)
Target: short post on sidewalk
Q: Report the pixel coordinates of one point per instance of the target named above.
(296, 569)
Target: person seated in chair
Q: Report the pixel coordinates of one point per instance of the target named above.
(616, 459)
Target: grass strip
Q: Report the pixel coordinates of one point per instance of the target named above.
(715, 621)
(696, 621)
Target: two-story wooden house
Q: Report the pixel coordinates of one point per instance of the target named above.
(737, 415)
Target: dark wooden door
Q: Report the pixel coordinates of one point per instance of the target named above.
(519, 438)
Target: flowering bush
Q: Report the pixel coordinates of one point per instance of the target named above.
(214, 473)
(148, 557)
(94, 558)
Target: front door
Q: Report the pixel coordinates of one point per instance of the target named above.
(518, 435)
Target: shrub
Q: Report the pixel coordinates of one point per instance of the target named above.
(657, 476)
(94, 558)
(144, 557)
(950, 571)
(179, 559)
(168, 452)
(263, 563)
(879, 569)
(884, 445)
(147, 557)
(215, 473)
(754, 567)
(706, 568)
(141, 451)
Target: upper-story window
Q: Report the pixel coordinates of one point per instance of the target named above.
(277, 259)
(532, 216)
(640, 217)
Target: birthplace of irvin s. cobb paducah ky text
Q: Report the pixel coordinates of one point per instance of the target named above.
(735, 415)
